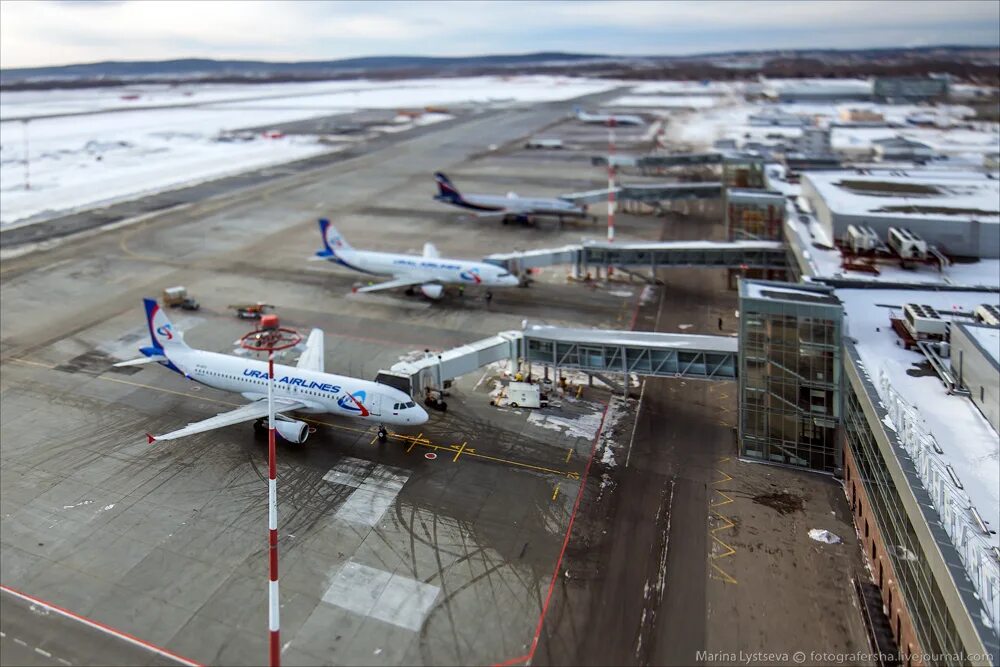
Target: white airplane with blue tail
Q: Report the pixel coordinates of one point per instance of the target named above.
(430, 272)
(305, 387)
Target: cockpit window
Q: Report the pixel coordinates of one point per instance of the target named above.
(504, 274)
(410, 404)
(397, 406)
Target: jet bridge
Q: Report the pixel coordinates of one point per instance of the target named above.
(652, 256)
(596, 352)
(647, 194)
(654, 162)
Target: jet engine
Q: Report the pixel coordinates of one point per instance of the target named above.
(292, 430)
(432, 291)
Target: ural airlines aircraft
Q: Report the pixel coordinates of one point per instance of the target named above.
(605, 118)
(304, 387)
(430, 271)
(511, 206)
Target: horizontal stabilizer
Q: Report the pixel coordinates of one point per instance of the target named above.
(141, 360)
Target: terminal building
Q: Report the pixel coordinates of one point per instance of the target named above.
(826, 383)
(754, 214)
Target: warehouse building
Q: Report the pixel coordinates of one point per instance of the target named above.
(975, 360)
(957, 212)
(901, 149)
(910, 90)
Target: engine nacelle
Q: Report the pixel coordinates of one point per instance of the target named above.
(292, 430)
(432, 291)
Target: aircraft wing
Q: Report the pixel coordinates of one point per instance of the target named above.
(312, 356)
(407, 281)
(494, 214)
(244, 413)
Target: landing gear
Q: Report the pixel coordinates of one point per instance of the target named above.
(410, 291)
(260, 428)
(382, 434)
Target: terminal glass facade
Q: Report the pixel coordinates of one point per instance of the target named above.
(932, 623)
(789, 374)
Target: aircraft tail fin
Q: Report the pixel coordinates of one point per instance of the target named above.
(161, 331)
(332, 239)
(431, 251)
(446, 189)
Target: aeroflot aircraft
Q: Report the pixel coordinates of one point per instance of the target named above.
(511, 206)
(304, 387)
(605, 118)
(431, 272)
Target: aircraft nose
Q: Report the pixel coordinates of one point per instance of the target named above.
(422, 416)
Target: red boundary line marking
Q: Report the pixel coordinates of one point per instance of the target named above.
(527, 658)
(102, 627)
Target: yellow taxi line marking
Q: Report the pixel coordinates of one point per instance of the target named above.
(729, 524)
(423, 442)
(723, 459)
(724, 502)
(556, 491)
(725, 577)
(28, 362)
(461, 448)
(569, 454)
(728, 553)
(720, 481)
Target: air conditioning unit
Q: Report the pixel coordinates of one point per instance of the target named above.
(924, 322)
(861, 238)
(907, 244)
(988, 314)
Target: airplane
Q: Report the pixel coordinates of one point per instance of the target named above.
(305, 387)
(430, 271)
(605, 118)
(519, 208)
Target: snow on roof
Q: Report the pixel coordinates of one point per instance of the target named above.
(970, 444)
(899, 141)
(763, 290)
(964, 195)
(819, 86)
(987, 337)
(808, 238)
(634, 338)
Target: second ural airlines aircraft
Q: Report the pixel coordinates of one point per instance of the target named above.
(511, 206)
(304, 387)
(430, 272)
(605, 118)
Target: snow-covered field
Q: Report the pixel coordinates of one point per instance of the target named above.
(168, 136)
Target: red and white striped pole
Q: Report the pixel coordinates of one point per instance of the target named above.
(611, 184)
(272, 522)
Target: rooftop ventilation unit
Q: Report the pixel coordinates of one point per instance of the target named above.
(907, 244)
(988, 314)
(861, 238)
(924, 322)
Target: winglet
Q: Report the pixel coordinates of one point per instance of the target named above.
(150, 438)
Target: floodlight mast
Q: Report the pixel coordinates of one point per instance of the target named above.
(271, 338)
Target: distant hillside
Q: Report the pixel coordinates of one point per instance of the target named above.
(975, 64)
(206, 67)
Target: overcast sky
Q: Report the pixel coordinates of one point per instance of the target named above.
(58, 32)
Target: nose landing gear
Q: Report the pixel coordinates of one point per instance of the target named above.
(382, 434)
